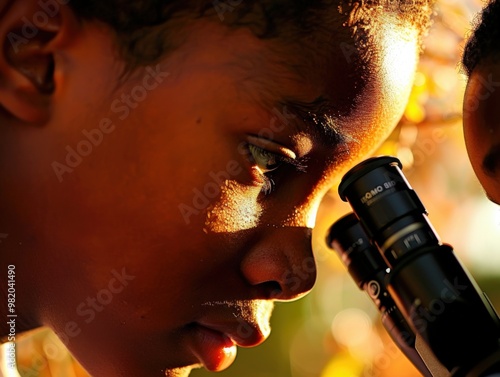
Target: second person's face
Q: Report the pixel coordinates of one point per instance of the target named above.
(482, 125)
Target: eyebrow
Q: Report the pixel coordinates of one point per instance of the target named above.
(491, 161)
(321, 118)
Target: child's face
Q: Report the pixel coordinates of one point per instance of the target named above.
(151, 235)
(482, 127)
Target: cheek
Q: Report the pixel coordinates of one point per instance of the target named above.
(490, 187)
(474, 141)
(481, 131)
(235, 209)
(480, 135)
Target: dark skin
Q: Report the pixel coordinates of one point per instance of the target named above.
(105, 253)
(481, 125)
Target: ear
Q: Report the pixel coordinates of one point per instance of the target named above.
(32, 32)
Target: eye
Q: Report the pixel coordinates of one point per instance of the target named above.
(269, 164)
(266, 161)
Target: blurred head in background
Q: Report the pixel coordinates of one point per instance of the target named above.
(481, 61)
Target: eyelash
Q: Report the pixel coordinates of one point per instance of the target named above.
(279, 160)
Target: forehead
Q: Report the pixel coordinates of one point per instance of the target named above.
(330, 75)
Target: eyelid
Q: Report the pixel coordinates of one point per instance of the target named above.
(271, 146)
(282, 153)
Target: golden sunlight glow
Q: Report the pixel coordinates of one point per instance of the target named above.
(400, 59)
(231, 211)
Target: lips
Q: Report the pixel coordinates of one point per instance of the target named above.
(215, 350)
(221, 326)
(214, 344)
(242, 333)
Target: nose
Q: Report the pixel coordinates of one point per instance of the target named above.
(282, 263)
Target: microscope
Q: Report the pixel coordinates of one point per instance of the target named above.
(429, 303)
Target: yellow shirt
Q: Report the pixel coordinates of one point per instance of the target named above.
(38, 353)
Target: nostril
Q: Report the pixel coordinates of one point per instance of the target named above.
(274, 289)
(281, 265)
(491, 161)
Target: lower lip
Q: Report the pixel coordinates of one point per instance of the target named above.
(213, 349)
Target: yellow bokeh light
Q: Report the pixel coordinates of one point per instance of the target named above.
(351, 327)
(343, 365)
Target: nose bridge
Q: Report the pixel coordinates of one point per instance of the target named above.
(282, 261)
(299, 210)
(302, 216)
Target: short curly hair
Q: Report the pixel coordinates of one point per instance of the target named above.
(145, 28)
(484, 41)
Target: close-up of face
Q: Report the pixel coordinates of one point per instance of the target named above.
(156, 216)
(481, 125)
